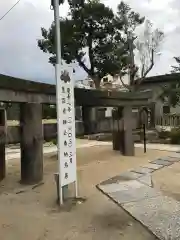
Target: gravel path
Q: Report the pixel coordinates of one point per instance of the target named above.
(33, 215)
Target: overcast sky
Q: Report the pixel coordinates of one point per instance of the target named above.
(20, 29)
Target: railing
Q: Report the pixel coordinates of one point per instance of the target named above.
(168, 120)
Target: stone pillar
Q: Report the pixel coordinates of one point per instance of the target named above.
(78, 113)
(128, 131)
(89, 119)
(2, 143)
(153, 120)
(117, 133)
(31, 143)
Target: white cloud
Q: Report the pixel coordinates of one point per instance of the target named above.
(18, 43)
(20, 30)
(175, 4)
(164, 15)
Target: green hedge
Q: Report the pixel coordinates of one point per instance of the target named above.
(163, 134)
(174, 136)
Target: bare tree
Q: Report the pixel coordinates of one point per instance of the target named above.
(176, 69)
(131, 20)
(148, 46)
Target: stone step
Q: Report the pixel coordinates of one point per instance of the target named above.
(133, 191)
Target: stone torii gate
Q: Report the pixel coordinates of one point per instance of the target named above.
(31, 95)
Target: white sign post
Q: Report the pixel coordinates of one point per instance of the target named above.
(65, 116)
(67, 165)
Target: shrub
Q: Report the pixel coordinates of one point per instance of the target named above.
(163, 134)
(174, 136)
(54, 141)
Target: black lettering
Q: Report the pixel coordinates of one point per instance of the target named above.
(63, 100)
(64, 122)
(69, 119)
(65, 154)
(70, 143)
(63, 90)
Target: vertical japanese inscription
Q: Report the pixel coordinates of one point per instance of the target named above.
(67, 138)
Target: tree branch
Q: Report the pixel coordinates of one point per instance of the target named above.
(81, 64)
(124, 85)
(151, 65)
(142, 70)
(89, 42)
(148, 70)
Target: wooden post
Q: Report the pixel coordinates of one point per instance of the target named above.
(31, 143)
(128, 131)
(2, 143)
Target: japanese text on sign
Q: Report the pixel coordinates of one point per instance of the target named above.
(67, 136)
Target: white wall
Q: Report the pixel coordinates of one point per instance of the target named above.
(157, 90)
(108, 112)
(175, 110)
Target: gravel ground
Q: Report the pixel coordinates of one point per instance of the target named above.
(32, 214)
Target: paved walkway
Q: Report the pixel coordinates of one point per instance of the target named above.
(133, 191)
